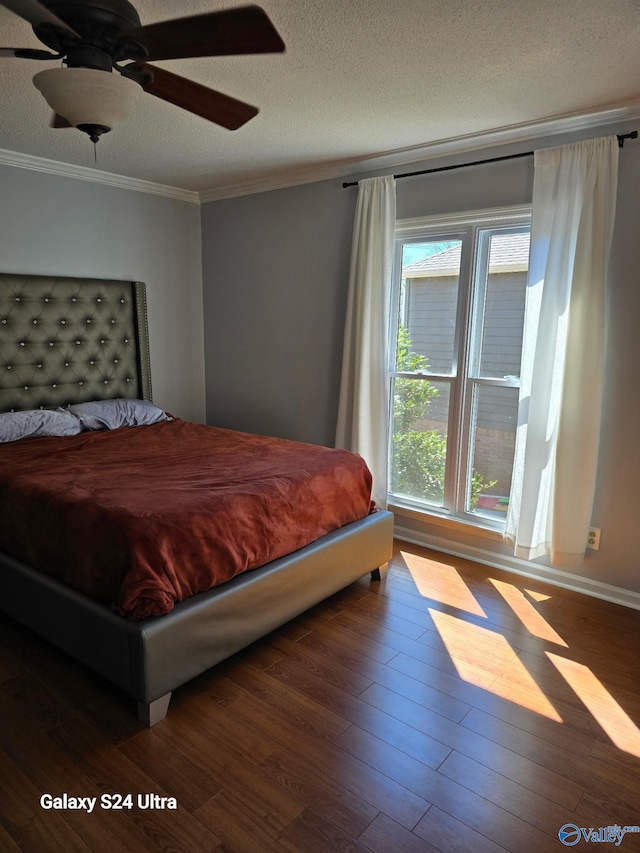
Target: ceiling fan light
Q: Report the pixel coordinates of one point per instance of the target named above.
(87, 96)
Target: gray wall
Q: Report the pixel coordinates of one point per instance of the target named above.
(274, 269)
(275, 273)
(52, 225)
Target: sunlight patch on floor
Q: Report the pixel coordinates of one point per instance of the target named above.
(442, 583)
(471, 647)
(606, 711)
(485, 658)
(527, 614)
(537, 596)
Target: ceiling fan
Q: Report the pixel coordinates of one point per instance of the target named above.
(93, 90)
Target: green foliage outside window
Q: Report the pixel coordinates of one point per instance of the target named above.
(418, 455)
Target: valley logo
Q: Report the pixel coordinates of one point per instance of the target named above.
(570, 834)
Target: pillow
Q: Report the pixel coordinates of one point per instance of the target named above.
(112, 414)
(34, 422)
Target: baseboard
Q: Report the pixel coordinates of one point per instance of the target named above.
(548, 574)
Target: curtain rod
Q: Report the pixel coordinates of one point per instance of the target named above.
(621, 139)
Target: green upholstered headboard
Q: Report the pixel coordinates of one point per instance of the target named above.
(70, 340)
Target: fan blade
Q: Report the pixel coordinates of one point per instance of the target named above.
(246, 29)
(36, 13)
(26, 53)
(198, 99)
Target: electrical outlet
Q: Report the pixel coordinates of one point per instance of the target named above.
(593, 538)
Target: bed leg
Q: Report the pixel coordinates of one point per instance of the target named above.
(380, 573)
(155, 711)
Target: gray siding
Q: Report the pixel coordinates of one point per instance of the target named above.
(501, 350)
(430, 317)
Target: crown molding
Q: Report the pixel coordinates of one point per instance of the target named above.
(82, 173)
(351, 168)
(363, 166)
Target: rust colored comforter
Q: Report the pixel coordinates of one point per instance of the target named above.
(143, 517)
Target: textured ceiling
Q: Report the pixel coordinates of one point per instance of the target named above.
(359, 77)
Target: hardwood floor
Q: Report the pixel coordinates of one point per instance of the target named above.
(450, 708)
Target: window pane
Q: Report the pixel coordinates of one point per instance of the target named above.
(428, 301)
(505, 279)
(493, 436)
(419, 438)
(460, 304)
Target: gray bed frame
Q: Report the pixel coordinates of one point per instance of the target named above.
(69, 340)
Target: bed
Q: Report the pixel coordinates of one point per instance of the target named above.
(66, 341)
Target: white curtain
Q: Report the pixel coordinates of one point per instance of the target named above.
(574, 197)
(363, 411)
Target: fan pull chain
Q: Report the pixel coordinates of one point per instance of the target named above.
(95, 152)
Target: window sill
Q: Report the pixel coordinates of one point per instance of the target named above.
(450, 524)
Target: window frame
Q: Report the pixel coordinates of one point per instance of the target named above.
(465, 226)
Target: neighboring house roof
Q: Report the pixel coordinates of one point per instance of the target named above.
(509, 253)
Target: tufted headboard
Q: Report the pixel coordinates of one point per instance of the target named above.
(70, 340)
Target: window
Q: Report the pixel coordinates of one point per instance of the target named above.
(457, 319)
